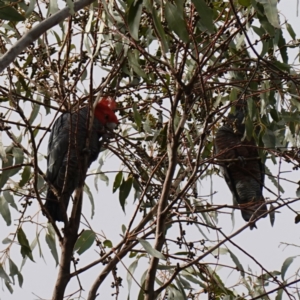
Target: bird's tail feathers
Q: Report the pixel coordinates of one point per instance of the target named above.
(53, 207)
(253, 210)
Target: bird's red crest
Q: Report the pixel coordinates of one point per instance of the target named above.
(104, 111)
(109, 102)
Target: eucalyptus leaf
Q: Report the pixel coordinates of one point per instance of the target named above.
(150, 250)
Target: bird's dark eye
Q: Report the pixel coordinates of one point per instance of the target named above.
(106, 117)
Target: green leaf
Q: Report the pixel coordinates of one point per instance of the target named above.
(10, 199)
(123, 228)
(272, 215)
(137, 116)
(9, 287)
(87, 190)
(150, 250)
(30, 8)
(25, 176)
(286, 265)
(70, 4)
(108, 244)
(50, 240)
(272, 178)
(173, 293)
(25, 248)
(13, 270)
(104, 178)
(279, 293)
(237, 263)
(130, 273)
(9, 13)
(20, 279)
(3, 274)
(271, 12)
(18, 155)
(269, 139)
(281, 44)
(176, 21)
(118, 180)
(160, 31)
(125, 189)
(245, 2)
(7, 241)
(206, 15)
(85, 241)
(133, 17)
(290, 30)
(53, 7)
(34, 113)
(134, 62)
(4, 211)
(32, 246)
(6, 163)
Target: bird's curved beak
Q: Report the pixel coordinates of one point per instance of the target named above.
(111, 126)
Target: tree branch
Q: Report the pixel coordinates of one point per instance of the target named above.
(37, 31)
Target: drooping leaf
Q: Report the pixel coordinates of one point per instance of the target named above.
(272, 215)
(5, 164)
(137, 116)
(271, 11)
(237, 263)
(118, 180)
(25, 248)
(13, 270)
(286, 265)
(30, 8)
(20, 279)
(206, 15)
(104, 178)
(133, 17)
(279, 293)
(176, 21)
(3, 274)
(50, 240)
(34, 113)
(150, 250)
(134, 63)
(4, 211)
(273, 179)
(9, 287)
(290, 30)
(18, 155)
(269, 139)
(130, 273)
(85, 241)
(125, 189)
(9, 13)
(123, 228)
(87, 190)
(160, 31)
(25, 176)
(32, 246)
(10, 199)
(52, 8)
